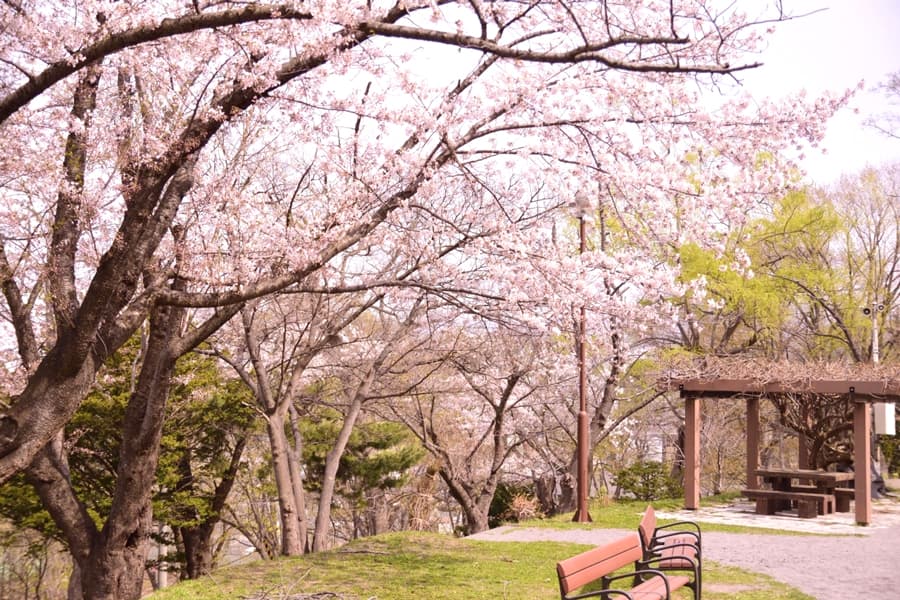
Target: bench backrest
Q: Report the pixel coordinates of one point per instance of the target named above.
(647, 526)
(595, 563)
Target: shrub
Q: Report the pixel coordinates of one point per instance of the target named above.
(648, 480)
(513, 503)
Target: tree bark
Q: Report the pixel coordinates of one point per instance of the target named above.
(332, 462)
(291, 542)
(475, 505)
(333, 459)
(378, 513)
(197, 539)
(111, 561)
(297, 478)
(198, 550)
(116, 565)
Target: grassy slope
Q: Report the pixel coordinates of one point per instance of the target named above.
(409, 565)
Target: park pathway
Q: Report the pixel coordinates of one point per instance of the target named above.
(831, 567)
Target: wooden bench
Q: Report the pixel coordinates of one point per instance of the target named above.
(600, 565)
(676, 546)
(809, 504)
(842, 496)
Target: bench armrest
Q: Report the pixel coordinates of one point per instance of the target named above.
(695, 528)
(680, 542)
(693, 547)
(601, 594)
(636, 574)
(658, 560)
(660, 534)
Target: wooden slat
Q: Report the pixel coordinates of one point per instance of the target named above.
(786, 495)
(589, 566)
(647, 525)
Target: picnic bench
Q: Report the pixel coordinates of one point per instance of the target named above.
(600, 565)
(809, 504)
(820, 498)
(842, 496)
(676, 546)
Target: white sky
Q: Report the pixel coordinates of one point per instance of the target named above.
(849, 41)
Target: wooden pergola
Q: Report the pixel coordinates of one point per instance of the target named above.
(861, 393)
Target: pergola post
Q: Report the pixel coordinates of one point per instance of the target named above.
(862, 461)
(691, 452)
(803, 458)
(752, 442)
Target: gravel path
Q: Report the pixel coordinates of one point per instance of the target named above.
(864, 566)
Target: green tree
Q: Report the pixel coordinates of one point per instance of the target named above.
(817, 261)
(205, 431)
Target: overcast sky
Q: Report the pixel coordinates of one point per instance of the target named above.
(849, 41)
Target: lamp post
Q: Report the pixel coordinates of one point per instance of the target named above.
(872, 312)
(883, 413)
(583, 441)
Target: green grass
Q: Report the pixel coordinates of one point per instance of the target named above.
(413, 565)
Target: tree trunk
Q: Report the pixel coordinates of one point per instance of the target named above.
(329, 479)
(115, 570)
(197, 539)
(111, 561)
(555, 492)
(198, 550)
(477, 516)
(73, 590)
(115, 567)
(567, 489)
(291, 542)
(475, 507)
(378, 513)
(297, 478)
(333, 459)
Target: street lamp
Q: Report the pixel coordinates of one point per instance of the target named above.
(885, 423)
(872, 313)
(582, 205)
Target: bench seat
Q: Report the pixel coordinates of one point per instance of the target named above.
(809, 504)
(675, 555)
(600, 565)
(673, 546)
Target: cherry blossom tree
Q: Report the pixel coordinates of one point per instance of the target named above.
(275, 374)
(478, 410)
(138, 186)
(285, 360)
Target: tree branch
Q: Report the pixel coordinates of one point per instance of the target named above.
(119, 41)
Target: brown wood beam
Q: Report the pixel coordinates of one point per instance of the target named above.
(863, 390)
(803, 453)
(692, 453)
(862, 461)
(752, 442)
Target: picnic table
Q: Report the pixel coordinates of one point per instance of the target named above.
(814, 492)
